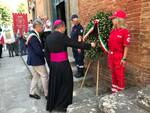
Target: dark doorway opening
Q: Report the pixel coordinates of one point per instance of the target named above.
(33, 13)
(61, 13)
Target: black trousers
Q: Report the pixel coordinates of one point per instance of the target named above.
(1, 47)
(16, 48)
(79, 60)
(22, 46)
(10, 48)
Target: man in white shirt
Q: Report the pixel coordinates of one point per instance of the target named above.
(9, 40)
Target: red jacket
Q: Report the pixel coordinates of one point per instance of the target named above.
(118, 39)
(1, 39)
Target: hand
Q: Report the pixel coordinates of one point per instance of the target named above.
(79, 39)
(83, 39)
(93, 45)
(79, 50)
(123, 62)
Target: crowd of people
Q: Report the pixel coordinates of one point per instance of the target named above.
(52, 46)
(14, 43)
(48, 43)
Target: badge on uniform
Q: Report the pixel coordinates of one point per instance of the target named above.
(128, 39)
(119, 36)
(81, 30)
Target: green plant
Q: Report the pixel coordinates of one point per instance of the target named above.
(21, 8)
(5, 15)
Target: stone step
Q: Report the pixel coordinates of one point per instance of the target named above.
(143, 98)
(108, 103)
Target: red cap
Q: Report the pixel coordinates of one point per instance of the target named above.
(119, 14)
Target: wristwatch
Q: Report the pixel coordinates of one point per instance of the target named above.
(124, 59)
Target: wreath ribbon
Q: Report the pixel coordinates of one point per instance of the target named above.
(100, 38)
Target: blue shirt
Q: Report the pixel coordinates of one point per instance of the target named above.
(77, 30)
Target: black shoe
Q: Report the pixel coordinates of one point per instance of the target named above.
(78, 75)
(46, 97)
(35, 96)
(62, 110)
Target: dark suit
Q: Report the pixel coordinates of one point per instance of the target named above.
(35, 51)
(37, 61)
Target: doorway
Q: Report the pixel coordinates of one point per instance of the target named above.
(61, 12)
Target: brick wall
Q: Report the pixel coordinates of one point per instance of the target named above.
(138, 12)
(145, 40)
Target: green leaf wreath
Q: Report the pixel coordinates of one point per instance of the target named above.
(104, 28)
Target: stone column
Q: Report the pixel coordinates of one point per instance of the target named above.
(71, 8)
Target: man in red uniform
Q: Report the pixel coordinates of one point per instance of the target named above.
(118, 48)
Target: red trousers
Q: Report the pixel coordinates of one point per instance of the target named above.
(117, 71)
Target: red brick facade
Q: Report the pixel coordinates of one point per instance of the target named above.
(138, 12)
(145, 40)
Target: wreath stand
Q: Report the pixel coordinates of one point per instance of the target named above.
(96, 22)
(99, 27)
(97, 76)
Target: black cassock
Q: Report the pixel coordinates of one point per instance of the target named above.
(60, 88)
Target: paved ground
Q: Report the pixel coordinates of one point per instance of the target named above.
(14, 88)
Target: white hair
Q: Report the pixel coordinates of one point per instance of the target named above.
(37, 22)
(121, 23)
